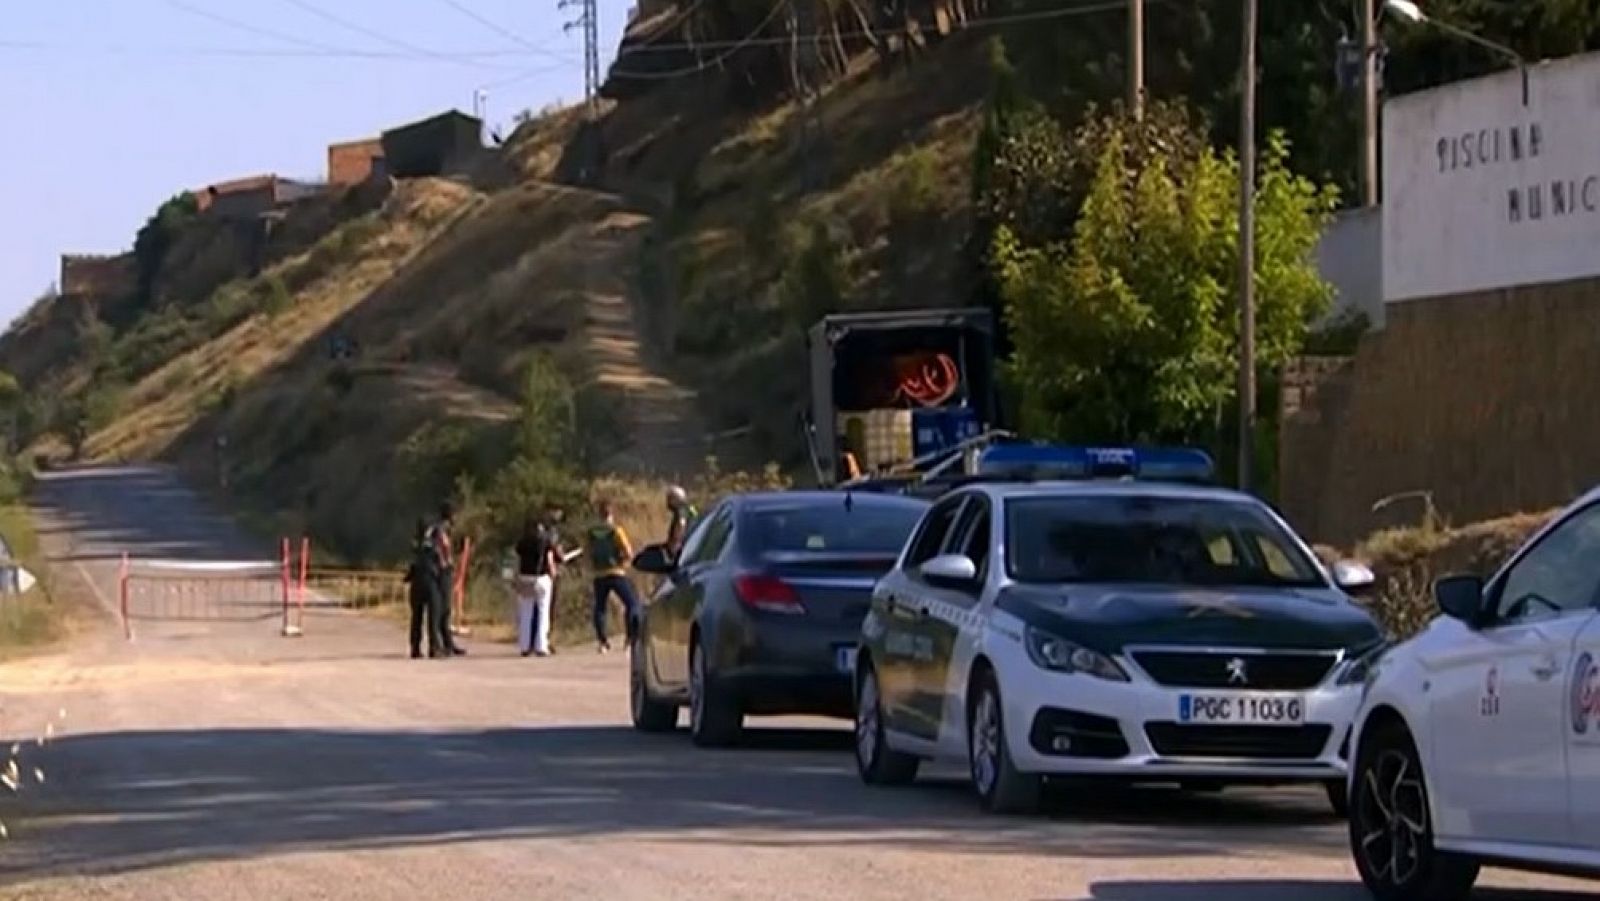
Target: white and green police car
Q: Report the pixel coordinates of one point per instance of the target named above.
(1116, 620)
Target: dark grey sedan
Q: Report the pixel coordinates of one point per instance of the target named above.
(762, 611)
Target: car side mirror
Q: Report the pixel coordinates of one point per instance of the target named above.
(951, 571)
(1354, 578)
(655, 560)
(1460, 597)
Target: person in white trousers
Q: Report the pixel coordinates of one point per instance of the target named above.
(538, 559)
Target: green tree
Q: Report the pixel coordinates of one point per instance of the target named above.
(1125, 328)
(546, 425)
(155, 239)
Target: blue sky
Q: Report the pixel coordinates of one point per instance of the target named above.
(114, 105)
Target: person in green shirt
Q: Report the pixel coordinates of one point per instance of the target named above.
(609, 552)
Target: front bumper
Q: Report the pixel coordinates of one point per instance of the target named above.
(1061, 724)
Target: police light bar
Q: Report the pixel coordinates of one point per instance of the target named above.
(1055, 461)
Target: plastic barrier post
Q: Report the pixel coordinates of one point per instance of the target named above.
(122, 598)
(305, 565)
(289, 629)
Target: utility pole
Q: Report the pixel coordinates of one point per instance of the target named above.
(1247, 250)
(589, 21)
(1136, 58)
(1369, 103)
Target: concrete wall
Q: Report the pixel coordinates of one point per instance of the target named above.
(353, 162)
(100, 277)
(1482, 190)
(1350, 257)
(1486, 399)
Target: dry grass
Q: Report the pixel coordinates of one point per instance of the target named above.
(173, 397)
(1407, 560)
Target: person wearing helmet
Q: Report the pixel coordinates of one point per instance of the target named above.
(680, 514)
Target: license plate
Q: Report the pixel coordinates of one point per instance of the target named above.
(845, 659)
(1242, 709)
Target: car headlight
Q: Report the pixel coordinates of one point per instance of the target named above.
(1062, 656)
(1358, 670)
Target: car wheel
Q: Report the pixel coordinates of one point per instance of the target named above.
(1338, 796)
(1000, 787)
(878, 763)
(714, 719)
(649, 714)
(1391, 833)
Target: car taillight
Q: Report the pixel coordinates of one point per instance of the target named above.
(768, 593)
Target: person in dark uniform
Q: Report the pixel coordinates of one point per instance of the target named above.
(439, 541)
(423, 582)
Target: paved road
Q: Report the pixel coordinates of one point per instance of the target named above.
(217, 760)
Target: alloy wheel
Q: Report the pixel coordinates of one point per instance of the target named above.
(867, 719)
(986, 743)
(1393, 818)
(697, 689)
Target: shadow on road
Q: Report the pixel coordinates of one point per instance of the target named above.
(142, 510)
(1283, 890)
(134, 800)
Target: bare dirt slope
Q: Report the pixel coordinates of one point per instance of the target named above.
(223, 762)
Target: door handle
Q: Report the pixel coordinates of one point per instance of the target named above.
(1544, 672)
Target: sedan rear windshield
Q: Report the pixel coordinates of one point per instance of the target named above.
(1152, 540)
(863, 527)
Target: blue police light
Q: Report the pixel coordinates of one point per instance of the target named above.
(1057, 461)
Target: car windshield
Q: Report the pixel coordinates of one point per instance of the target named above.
(864, 527)
(1160, 540)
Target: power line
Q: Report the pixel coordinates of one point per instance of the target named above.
(248, 27)
(748, 41)
(678, 19)
(321, 48)
(380, 36)
(752, 40)
(526, 74)
(496, 27)
(168, 51)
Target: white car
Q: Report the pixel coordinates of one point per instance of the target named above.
(1478, 740)
(1141, 630)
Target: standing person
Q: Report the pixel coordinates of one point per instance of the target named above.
(423, 582)
(537, 564)
(609, 552)
(439, 543)
(681, 514)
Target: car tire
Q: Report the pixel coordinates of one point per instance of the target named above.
(649, 714)
(1000, 786)
(715, 719)
(877, 763)
(1391, 832)
(1338, 793)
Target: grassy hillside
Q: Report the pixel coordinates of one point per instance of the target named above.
(670, 286)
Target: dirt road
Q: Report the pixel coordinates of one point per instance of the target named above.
(220, 761)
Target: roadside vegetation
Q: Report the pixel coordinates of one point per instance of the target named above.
(36, 617)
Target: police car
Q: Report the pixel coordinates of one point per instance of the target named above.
(1102, 616)
(1478, 741)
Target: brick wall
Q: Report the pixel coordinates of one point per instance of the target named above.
(352, 163)
(86, 275)
(1488, 400)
